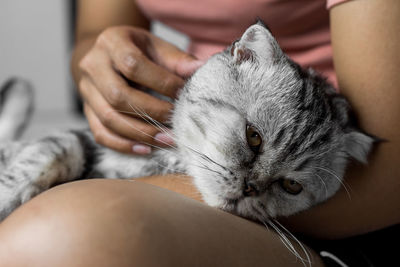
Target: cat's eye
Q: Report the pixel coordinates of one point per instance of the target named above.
(253, 138)
(291, 186)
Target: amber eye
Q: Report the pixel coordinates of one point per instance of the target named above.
(253, 138)
(291, 186)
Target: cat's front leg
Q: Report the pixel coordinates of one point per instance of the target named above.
(40, 165)
(11, 197)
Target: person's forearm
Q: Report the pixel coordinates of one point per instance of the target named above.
(370, 203)
(365, 43)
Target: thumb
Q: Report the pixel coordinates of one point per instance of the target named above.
(181, 63)
(176, 60)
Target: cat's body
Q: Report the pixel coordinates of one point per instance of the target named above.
(260, 136)
(28, 168)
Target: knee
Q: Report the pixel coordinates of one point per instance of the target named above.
(88, 223)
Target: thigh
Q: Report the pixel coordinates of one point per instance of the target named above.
(129, 223)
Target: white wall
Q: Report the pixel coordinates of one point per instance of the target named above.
(170, 35)
(34, 45)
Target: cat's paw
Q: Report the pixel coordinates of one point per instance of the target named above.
(12, 198)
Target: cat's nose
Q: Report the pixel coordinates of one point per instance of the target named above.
(250, 189)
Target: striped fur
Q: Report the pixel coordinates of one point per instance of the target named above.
(307, 130)
(16, 105)
(307, 135)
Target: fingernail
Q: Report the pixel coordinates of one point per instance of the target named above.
(165, 139)
(141, 149)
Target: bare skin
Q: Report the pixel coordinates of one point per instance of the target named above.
(106, 53)
(139, 217)
(137, 225)
(367, 64)
(366, 43)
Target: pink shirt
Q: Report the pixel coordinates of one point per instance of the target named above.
(300, 26)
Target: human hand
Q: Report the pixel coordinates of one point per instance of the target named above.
(118, 114)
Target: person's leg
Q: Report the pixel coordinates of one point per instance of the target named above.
(124, 223)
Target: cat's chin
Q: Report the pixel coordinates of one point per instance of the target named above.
(228, 205)
(240, 208)
(244, 213)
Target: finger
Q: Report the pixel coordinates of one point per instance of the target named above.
(121, 124)
(124, 98)
(174, 59)
(137, 67)
(109, 139)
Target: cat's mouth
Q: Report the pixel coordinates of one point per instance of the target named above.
(249, 190)
(231, 204)
(235, 206)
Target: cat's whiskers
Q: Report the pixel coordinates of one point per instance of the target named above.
(167, 150)
(336, 177)
(303, 248)
(205, 167)
(174, 148)
(262, 214)
(151, 123)
(158, 126)
(146, 134)
(323, 182)
(150, 120)
(209, 169)
(205, 157)
(266, 225)
(286, 241)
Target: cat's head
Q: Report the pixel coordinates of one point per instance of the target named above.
(261, 136)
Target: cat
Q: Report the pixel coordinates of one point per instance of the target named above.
(261, 137)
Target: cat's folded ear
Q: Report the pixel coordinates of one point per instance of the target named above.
(358, 145)
(256, 44)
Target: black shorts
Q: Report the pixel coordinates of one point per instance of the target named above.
(379, 248)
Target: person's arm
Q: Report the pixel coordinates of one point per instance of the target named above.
(366, 42)
(366, 45)
(112, 47)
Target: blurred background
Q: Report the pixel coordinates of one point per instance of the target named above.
(36, 41)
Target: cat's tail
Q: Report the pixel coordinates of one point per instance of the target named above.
(16, 106)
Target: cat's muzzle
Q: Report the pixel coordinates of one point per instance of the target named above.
(250, 189)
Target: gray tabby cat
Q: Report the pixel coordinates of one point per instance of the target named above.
(261, 136)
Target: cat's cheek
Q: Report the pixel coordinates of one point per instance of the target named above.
(213, 200)
(204, 188)
(249, 208)
(211, 193)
